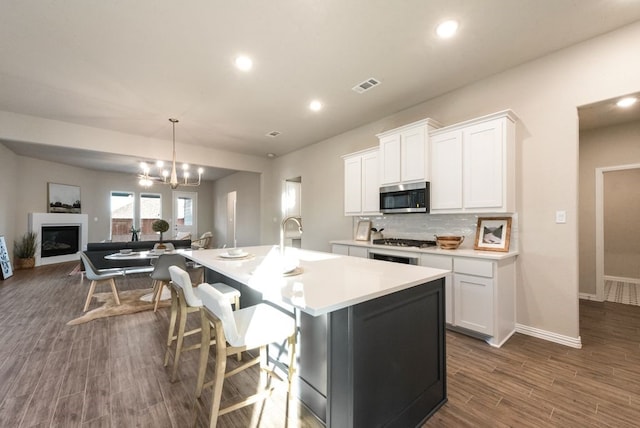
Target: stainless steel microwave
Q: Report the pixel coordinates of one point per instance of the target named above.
(405, 198)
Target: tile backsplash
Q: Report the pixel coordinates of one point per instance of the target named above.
(425, 226)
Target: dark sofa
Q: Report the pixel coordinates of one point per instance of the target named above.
(97, 250)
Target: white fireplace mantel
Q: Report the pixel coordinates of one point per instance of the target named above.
(37, 220)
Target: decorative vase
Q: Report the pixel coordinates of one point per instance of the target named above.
(27, 263)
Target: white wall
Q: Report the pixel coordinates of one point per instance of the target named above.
(247, 188)
(8, 195)
(544, 94)
(95, 189)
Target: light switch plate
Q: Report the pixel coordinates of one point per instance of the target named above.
(561, 217)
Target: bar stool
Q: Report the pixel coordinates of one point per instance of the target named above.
(185, 299)
(254, 327)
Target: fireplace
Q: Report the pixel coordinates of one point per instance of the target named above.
(59, 240)
(61, 236)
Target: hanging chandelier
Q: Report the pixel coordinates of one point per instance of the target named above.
(168, 177)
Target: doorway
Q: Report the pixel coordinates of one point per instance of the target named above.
(185, 213)
(618, 234)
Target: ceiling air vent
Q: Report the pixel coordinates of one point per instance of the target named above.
(273, 134)
(366, 85)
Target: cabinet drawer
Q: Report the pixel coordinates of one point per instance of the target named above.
(437, 262)
(359, 252)
(473, 267)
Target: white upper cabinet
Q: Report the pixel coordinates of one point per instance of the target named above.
(446, 171)
(404, 153)
(473, 166)
(361, 183)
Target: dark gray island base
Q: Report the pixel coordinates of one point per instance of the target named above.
(380, 363)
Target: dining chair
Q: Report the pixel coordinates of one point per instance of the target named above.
(203, 242)
(254, 327)
(96, 276)
(185, 299)
(161, 276)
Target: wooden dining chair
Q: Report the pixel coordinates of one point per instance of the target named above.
(96, 276)
(254, 327)
(161, 276)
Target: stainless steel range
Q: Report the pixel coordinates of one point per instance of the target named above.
(397, 256)
(397, 242)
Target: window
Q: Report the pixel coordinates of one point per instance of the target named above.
(122, 211)
(150, 211)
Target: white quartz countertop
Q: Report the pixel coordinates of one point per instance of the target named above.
(323, 283)
(460, 252)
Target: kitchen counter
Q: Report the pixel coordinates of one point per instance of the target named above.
(371, 349)
(460, 252)
(326, 283)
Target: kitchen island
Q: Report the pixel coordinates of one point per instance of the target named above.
(372, 343)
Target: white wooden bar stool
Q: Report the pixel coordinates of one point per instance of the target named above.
(185, 299)
(249, 328)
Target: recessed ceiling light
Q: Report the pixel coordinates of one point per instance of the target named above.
(244, 63)
(447, 29)
(627, 102)
(315, 105)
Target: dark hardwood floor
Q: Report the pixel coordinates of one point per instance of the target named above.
(109, 372)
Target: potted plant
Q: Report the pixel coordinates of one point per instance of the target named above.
(160, 226)
(24, 251)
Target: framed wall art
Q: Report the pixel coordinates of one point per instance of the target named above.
(493, 234)
(363, 230)
(63, 198)
(5, 262)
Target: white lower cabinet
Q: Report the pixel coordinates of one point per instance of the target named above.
(350, 250)
(442, 262)
(479, 293)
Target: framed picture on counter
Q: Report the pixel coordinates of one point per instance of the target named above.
(363, 230)
(493, 234)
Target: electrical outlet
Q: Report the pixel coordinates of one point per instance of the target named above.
(561, 217)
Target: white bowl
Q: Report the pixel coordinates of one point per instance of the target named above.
(235, 251)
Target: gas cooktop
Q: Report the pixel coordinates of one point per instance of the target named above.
(397, 242)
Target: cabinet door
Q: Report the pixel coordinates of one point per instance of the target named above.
(483, 165)
(446, 171)
(390, 159)
(443, 262)
(413, 155)
(352, 185)
(340, 249)
(370, 183)
(473, 303)
(359, 252)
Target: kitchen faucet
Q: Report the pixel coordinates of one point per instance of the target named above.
(282, 226)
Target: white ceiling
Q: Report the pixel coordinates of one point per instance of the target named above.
(130, 65)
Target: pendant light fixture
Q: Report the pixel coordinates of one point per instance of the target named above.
(169, 177)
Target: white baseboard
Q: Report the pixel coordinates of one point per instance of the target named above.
(573, 342)
(622, 279)
(589, 296)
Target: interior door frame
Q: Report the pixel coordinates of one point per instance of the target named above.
(600, 223)
(175, 194)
